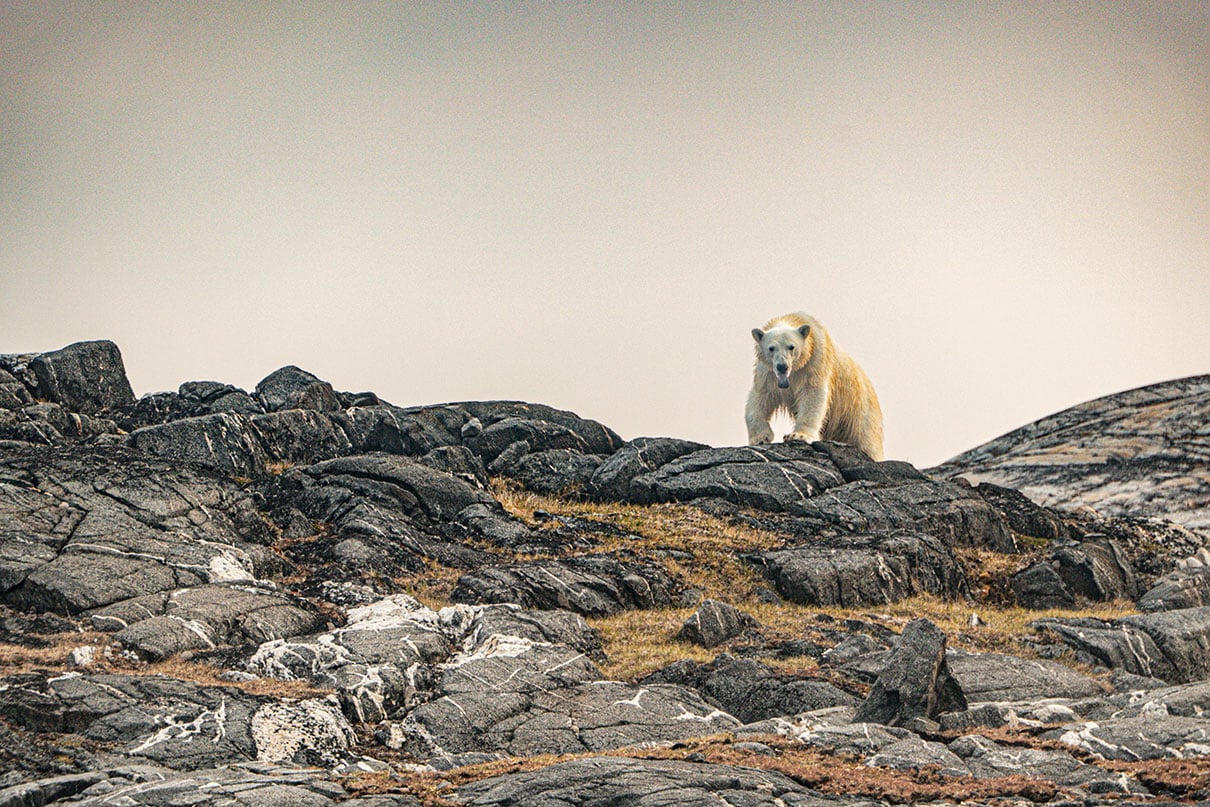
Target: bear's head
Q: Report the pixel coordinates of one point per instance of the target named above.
(783, 348)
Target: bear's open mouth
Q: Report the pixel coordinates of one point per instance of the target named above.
(783, 381)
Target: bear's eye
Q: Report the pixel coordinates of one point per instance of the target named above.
(790, 348)
(771, 348)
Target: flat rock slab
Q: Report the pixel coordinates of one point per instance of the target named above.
(997, 677)
(176, 723)
(203, 618)
(1142, 452)
(85, 528)
(642, 783)
(521, 697)
(1173, 646)
(777, 478)
(863, 569)
(241, 786)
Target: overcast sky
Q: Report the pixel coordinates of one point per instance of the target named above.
(999, 209)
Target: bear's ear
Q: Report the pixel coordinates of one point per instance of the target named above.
(758, 334)
(804, 330)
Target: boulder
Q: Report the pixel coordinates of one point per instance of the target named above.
(85, 377)
(916, 682)
(750, 690)
(294, 388)
(715, 622)
(863, 569)
(611, 480)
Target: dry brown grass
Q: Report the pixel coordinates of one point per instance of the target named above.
(638, 643)
(660, 532)
(809, 767)
(16, 659)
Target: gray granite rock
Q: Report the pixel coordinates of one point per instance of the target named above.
(750, 690)
(176, 723)
(82, 529)
(593, 585)
(1134, 453)
(916, 681)
(204, 617)
(863, 569)
(611, 480)
(776, 478)
(715, 622)
(640, 783)
(293, 388)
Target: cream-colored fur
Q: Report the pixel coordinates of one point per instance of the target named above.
(825, 391)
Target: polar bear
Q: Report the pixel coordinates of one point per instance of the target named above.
(800, 369)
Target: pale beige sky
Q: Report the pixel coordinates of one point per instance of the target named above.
(999, 209)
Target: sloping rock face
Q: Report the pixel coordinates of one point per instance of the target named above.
(1144, 452)
(643, 783)
(83, 529)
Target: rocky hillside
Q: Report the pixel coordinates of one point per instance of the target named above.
(1141, 452)
(297, 595)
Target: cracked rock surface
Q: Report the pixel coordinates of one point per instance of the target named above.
(298, 595)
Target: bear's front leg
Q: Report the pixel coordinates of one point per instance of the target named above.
(809, 413)
(757, 415)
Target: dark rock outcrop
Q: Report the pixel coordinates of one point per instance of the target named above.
(611, 480)
(593, 585)
(82, 529)
(715, 622)
(864, 569)
(750, 690)
(916, 681)
(1173, 646)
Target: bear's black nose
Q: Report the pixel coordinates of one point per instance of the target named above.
(781, 368)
